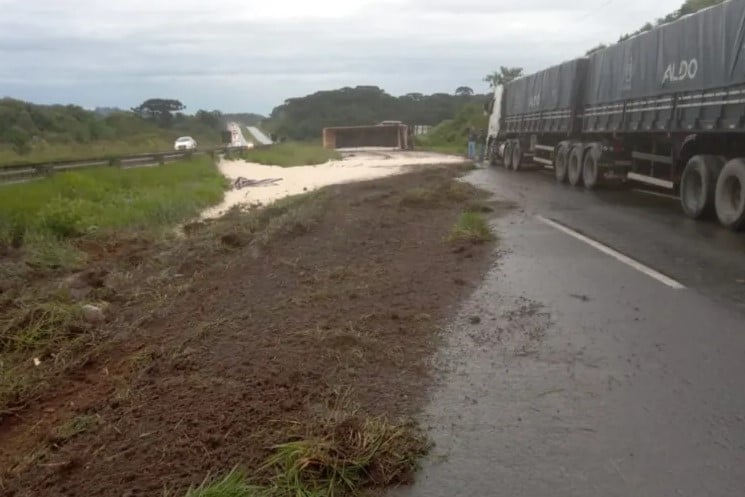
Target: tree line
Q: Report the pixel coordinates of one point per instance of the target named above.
(305, 117)
(24, 125)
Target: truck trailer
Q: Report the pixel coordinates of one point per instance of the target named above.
(665, 107)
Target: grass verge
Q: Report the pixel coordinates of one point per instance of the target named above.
(471, 227)
(291, 154)
(45, 213)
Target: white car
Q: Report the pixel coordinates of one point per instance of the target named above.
(185, 143)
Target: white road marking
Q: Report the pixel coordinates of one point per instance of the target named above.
(665, 280)
(656, 194)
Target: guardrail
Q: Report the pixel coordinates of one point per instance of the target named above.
(22, 172)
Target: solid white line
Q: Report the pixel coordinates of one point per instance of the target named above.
(656, 194)
(666, 280)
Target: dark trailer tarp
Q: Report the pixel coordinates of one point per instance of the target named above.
(545, 102)
(698, 52)
(549, 90)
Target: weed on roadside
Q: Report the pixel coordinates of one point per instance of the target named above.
(446, 192)
(39, 325)
(233, 484)
(471, 227)
(342, 455)
(76, 426)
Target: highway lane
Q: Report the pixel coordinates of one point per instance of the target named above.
(587, 375)
(648, 228)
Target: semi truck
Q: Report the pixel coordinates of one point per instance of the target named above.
(665, 107)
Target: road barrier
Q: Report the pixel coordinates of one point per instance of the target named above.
(17, 173)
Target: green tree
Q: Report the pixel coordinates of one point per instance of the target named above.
(159, 110)
(20, 140)
(503, 76)
(305, 117)
(464, 91)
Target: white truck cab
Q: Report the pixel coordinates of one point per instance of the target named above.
(495, 116)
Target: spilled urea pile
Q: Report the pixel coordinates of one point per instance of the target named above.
(274, 182)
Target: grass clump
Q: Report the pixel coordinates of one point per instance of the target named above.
(233, 484)
(76, 426)
(39, 326)
(290, 154)
(344, 455)
(471, 227)
(45, 213)
(354, 455)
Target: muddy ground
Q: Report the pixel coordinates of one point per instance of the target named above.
(229, 340)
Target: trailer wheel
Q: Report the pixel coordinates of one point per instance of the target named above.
(507, 157)
(730, 195)
(517, 156)
(574, 169)
(698, 185)
(591, 166)
(561, 162)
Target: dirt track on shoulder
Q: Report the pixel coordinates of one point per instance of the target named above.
(255, 344)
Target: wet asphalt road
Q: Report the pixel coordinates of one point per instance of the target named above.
(585, 376)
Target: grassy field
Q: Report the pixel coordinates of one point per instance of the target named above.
(67, 205)
(291, 154)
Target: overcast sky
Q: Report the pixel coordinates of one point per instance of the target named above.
(249, 55)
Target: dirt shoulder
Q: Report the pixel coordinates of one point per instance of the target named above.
(239, 337)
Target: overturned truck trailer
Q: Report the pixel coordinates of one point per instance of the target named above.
(666, 107)
(385, 135)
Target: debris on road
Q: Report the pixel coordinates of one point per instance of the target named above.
(241, 182)
(93, 313)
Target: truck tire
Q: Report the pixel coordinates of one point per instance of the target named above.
(574, 169)
(698, 185)
(561, 162)
(730, 195)
(517, 156)
(507, 158)
(591, 174)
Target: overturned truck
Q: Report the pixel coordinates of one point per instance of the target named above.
(666, 107)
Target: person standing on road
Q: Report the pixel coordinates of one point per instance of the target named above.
(480, 140)
(471, 143)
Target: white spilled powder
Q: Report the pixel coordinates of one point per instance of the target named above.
(355, 166)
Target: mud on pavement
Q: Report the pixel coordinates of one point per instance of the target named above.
(238, 336)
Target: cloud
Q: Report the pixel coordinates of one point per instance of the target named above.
(250, 55)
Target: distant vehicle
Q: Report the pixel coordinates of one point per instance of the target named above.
(185, 143)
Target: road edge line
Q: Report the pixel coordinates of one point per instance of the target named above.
(655, 194)
(665, 280)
